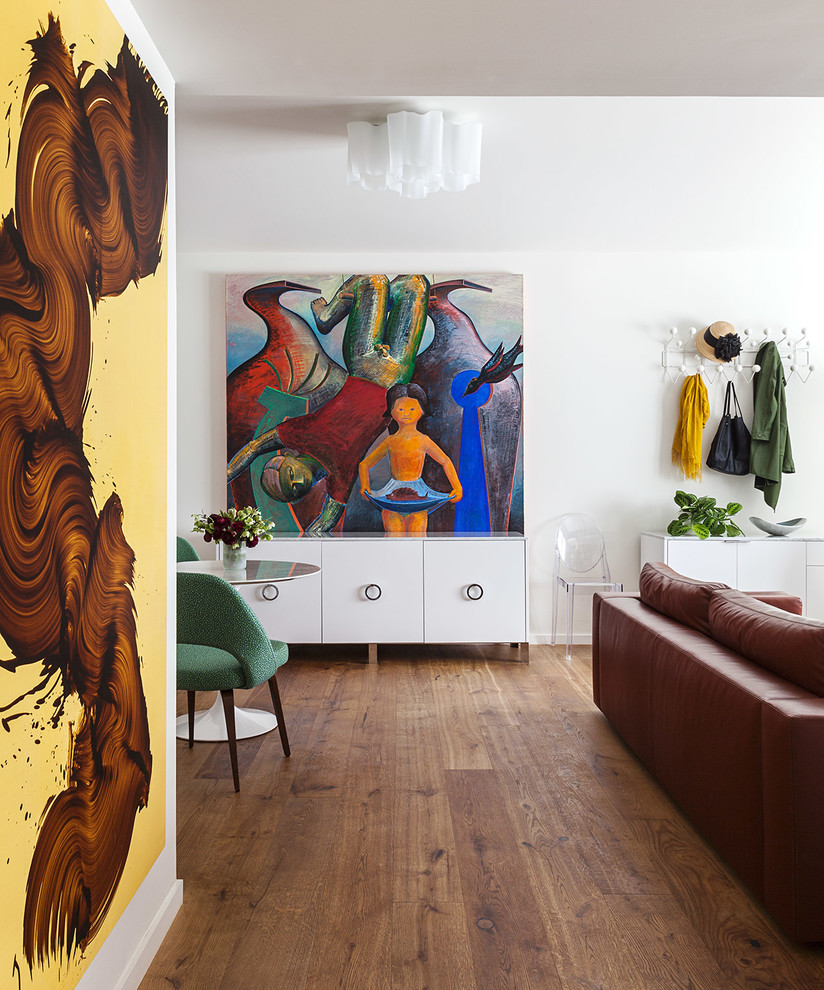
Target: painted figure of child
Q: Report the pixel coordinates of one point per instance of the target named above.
(407, 449)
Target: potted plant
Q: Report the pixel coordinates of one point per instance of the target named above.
(703, 517)
(236, 529)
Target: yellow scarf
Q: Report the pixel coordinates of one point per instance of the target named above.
(693, 415)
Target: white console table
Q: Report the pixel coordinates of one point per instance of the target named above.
(752, 563)
(376, 589)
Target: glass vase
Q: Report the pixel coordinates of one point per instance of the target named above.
(234, 558)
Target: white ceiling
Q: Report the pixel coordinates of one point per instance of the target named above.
(264, 91)
(318, 48)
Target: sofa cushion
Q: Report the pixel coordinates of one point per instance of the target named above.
(788, 645)
(681, 598)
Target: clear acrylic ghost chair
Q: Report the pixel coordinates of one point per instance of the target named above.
(579, 550)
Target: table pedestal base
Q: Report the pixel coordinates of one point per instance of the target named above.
(210, 724)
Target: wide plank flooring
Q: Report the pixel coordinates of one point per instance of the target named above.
(451, 820)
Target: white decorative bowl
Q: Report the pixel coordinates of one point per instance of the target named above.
(778, 529)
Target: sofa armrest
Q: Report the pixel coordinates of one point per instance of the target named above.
(793, 758)
(779, 599)
(597, 598)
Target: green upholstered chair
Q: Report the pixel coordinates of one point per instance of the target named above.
(221, 645)
(185, 550)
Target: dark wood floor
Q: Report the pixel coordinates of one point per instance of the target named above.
(451, 819)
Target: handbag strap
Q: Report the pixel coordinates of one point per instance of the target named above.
(731, 391)
(727, 399)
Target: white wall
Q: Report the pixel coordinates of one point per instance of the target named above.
(557, 174)
(599, 412)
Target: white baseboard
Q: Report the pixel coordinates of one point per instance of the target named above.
(136, 968)
(123, 959)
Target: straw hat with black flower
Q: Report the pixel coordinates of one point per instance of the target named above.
(719, 342)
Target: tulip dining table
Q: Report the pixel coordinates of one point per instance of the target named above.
(210, 723)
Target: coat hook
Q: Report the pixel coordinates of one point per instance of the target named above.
(680, 358)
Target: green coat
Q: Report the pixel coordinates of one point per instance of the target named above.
(770, 451)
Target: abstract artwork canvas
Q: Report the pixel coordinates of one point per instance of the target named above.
(83, 314)
(376, 403)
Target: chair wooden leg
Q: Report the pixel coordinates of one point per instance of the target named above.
(190, 699)
(228, 698)
(273, 690)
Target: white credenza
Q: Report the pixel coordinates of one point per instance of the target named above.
(376, 589)
(815, 579)
(752, 563)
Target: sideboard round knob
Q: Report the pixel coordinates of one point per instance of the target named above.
(270, 592)
(372, 592)
(474, 592)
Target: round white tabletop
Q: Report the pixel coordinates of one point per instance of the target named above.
(255, 571)
(210, 724)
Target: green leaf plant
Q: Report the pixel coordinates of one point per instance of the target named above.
(703, 517)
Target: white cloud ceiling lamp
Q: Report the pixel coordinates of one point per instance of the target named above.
(415, 154)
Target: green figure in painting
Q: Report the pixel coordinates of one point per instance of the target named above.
(385, 325)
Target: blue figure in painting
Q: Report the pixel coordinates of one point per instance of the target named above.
(471, 389)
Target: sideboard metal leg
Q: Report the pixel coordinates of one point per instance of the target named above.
(523, 651)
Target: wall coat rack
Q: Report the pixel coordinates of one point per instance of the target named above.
(680, 356)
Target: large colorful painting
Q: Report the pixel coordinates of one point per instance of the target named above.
(376, 403)
(83, 312)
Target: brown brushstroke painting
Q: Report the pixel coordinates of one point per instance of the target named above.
(87, 220)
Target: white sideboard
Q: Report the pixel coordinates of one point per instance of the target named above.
(752, 563)
(376, 589)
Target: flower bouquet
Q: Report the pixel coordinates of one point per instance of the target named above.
(234, 527)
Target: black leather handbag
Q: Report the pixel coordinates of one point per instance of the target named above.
(730, 450)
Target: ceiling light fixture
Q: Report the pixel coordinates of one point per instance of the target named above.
(414, 154)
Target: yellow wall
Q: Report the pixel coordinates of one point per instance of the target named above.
(125, 443)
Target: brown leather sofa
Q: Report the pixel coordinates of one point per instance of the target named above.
(720, 694)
